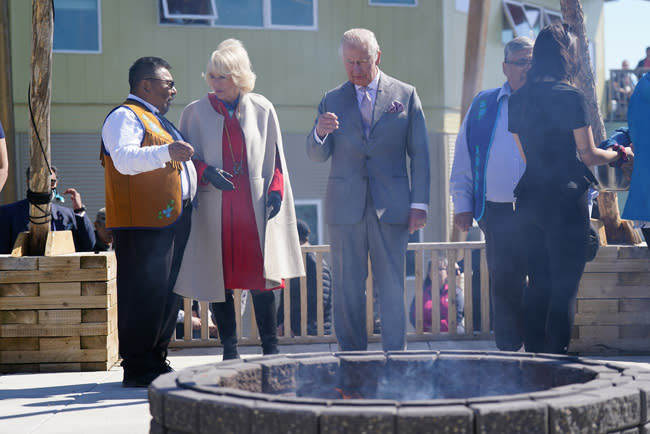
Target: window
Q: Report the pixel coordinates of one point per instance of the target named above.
(522, 19)
(393, 2)
(77, 26)
(187, 12)
(275, 14)
(310, 212)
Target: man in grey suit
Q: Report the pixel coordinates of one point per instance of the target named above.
(368, 126)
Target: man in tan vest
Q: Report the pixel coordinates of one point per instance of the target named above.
(149, 183)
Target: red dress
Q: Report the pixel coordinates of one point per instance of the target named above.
(243, 263)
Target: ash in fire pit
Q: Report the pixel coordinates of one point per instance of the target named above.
(402, 392)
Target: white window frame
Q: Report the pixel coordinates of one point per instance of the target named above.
(318, 203)
(266, 19)
(99, 36)
(169, 16)
(543, 19)
(394, 5)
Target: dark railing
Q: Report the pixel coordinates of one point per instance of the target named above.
(474, 290)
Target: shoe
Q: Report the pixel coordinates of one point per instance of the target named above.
(270, 349)
(142, 380)
(230, 352)
(165, 367)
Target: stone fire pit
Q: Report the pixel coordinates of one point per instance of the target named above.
(403, 392)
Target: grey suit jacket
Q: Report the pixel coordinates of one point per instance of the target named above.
(378, 162)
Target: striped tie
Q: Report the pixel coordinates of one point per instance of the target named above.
(366, 110)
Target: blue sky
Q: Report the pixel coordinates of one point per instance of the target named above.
(627, 32)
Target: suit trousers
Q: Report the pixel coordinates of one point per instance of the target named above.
(148, 261)
(557, 231)
(507, 270)
(350, 246)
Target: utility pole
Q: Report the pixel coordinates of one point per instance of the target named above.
(475, 41)
(39, 100)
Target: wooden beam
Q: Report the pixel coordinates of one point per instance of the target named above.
(40, 98)
(475, 41)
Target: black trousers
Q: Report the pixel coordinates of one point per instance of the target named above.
(556, 230)
(507, 270)
(148, 261)
(265, 317)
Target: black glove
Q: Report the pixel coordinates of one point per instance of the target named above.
(273, 202)
(219, 178)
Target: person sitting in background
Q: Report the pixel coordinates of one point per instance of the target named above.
(14, 219)
(196, 323)
(427, 300)
(312, 294)
(103, 236)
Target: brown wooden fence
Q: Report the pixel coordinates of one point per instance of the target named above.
(422, 254)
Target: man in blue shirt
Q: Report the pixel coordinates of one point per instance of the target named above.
(487, 166)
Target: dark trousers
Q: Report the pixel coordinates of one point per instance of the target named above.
(148, 261)
(264, 305)
(556, 230)
(507, 270)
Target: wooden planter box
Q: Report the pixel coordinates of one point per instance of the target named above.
(58, 313)
(613, 307)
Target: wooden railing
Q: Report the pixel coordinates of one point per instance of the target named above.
(423, 253)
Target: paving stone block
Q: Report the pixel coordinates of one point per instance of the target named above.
(272, 418)
(516, 417)
(349, 420)
(456, 419)
(225, 415)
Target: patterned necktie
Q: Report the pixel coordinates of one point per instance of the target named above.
(366, 110)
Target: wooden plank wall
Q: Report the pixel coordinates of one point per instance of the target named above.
(58, 313)
(613, 306)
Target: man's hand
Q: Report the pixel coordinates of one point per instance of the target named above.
(327, 123)
(417, 219)
(219, 178)
(273, 203)
(180, 151)
(75, 197)
(463, 220)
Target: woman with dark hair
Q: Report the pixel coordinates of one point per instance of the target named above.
(549, 120)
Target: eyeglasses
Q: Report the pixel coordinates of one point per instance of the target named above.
(169, 83)
(520, 63)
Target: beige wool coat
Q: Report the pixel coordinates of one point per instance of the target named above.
(201, 274)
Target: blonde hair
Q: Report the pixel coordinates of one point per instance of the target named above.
(231, 58)
(360, 38)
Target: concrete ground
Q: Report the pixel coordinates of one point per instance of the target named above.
(96, 403)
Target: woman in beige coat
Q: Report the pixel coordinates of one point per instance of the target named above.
(244, 225)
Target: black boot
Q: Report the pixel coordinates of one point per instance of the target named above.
(224, 317)
(264, 305)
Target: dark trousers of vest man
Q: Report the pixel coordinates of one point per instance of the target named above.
(507, 271)
(148, 261)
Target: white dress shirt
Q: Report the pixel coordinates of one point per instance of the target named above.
(122, 135)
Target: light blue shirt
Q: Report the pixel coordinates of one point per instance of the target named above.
(504, 167)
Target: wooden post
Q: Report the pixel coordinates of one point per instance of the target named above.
(477, 25)
(9, 192)
(617, 230)
(41, 83)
